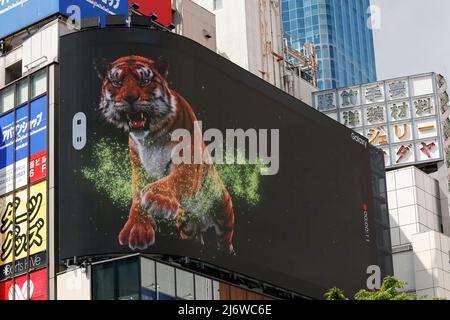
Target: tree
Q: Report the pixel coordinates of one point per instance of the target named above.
(390, 290)
(335, 294)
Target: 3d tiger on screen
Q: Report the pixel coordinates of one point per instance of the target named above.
(136, 97)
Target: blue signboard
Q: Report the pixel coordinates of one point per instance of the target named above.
(92, 8)
(18, 14)
(6, 143)
(38, 145)
(38, 126)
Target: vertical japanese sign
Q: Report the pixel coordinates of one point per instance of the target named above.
(38, 145)
(22, 230)
(23, 289)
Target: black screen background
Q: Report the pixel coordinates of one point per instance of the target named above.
(307, 232)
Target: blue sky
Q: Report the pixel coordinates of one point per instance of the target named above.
(414, 37)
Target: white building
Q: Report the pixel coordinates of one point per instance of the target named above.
(249, 33)
(420, 249)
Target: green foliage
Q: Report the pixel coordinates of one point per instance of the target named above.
(335, 294)
(390, 290)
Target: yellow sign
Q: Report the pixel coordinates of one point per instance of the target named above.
(27, 228)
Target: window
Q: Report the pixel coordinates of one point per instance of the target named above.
(217, 4)
(148, 279)
(165, 281)
(7, 99)
(39, 83)
(13, 72)
(103, 282)
(185, 285)
(203, 288)
(22, 92)
(127, 280)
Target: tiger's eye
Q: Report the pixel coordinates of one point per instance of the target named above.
(144, 82)
(116, 83)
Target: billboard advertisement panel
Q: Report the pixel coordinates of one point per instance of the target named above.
(93, 8)
(163, 8)
(167, 148)
(22, 288)
(38, 136)
(24, 222)
(399, 116)
(18, 14)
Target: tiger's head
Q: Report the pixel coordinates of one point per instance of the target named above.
(135, 94)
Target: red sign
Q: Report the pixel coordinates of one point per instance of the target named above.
(36, 287)
(38, 166)
(163, 8)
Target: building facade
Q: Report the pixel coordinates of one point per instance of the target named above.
(339, 31)
(249, 34)
(420, 249)
(407, 118)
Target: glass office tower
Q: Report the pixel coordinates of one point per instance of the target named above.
(339, 31)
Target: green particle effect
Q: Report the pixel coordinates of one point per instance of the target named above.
(110, 174)
(241, 178)
(111, 171)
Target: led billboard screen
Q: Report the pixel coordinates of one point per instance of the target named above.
(167, 148)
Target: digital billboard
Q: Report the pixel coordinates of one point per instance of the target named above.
(168, 148)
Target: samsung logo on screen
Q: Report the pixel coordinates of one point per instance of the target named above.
(359, 139)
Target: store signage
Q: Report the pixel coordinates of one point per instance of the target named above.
(32, 287)
(23, 223)
(404, 123)
(21, 266)
(36, 129)
(162, 8)
(18, 14)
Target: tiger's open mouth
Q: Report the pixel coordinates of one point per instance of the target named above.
(137, 120)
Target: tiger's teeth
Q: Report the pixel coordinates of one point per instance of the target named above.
(142, 116)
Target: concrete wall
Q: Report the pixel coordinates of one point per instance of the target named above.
(198, 23)
(420, 250)
(431, 265)
(74, 285)
(414, 204)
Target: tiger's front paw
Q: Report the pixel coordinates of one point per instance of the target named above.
(138, 232)
(160, 205)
